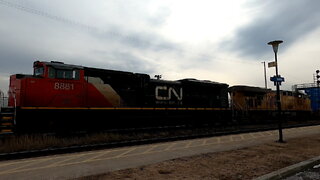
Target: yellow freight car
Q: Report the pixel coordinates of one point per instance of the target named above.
(255, 98)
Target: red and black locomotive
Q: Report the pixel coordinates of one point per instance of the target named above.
(69, 97)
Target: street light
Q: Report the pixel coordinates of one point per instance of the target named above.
(277, 81)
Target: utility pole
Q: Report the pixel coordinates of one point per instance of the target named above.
(318, 90)
(265, 75)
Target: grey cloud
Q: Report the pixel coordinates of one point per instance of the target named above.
(138, 40)
(149, 41)
(15, 60)
(285, 20)
(160, 16)
(123, 61)
(30, 42)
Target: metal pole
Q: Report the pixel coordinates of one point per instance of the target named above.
(318, 90)
(278, 102)
(265, 75)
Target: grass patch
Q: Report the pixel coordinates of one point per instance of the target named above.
(18, 143)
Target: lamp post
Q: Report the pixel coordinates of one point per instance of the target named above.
(275, 45)
(265, 75)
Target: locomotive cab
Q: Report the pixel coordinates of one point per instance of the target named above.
(53, 84)
(57, 70)
(38, 69)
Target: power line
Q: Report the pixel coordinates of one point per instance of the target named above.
(45, 14)
(88, 27)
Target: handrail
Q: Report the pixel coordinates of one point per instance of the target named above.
(304, 86)
(13, 94)
(3, 100)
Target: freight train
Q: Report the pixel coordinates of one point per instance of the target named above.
(69, 97)
(259, 104)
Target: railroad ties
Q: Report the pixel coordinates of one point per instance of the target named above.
(6, 120)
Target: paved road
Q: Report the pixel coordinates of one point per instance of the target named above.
(95, 162)
(312, 173)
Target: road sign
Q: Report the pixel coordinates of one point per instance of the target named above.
(277, 79)
(272, 64)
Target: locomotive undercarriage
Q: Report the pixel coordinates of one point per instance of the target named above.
(68, 120)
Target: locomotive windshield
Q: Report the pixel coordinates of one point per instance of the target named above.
(39, 71)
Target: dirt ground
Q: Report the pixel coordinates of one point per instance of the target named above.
(246, 163)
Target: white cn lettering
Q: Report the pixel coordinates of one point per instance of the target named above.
(169, 91)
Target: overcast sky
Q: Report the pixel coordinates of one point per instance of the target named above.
(223, 41)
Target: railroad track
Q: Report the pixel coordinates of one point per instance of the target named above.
(206, 132)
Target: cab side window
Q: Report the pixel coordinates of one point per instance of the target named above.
(51, 72)
(64, 74)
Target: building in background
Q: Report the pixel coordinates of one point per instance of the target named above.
(311, 89)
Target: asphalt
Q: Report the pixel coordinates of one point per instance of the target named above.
(290, 172)
(75, 165)
(312, 173)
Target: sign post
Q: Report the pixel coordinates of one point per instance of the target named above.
(277, 79)
(272, 64)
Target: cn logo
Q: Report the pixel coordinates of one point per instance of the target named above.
(165, 93)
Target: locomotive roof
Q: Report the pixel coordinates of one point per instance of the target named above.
(252, 89)
(90, 70)
(248, 89)
(206, 82)
(60, 65)
(164, 81)
(191, 81)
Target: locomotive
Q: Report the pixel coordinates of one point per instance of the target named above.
(255, 103)
(66, 97)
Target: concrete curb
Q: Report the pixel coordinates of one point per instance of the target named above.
(290, 170)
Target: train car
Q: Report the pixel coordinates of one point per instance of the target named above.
(257, 103)
(68, 97)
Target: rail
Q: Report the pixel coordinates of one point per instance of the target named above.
(139, 140)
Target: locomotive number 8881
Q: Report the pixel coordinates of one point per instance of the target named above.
(64, 96)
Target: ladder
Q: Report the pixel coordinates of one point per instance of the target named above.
(7, 120)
